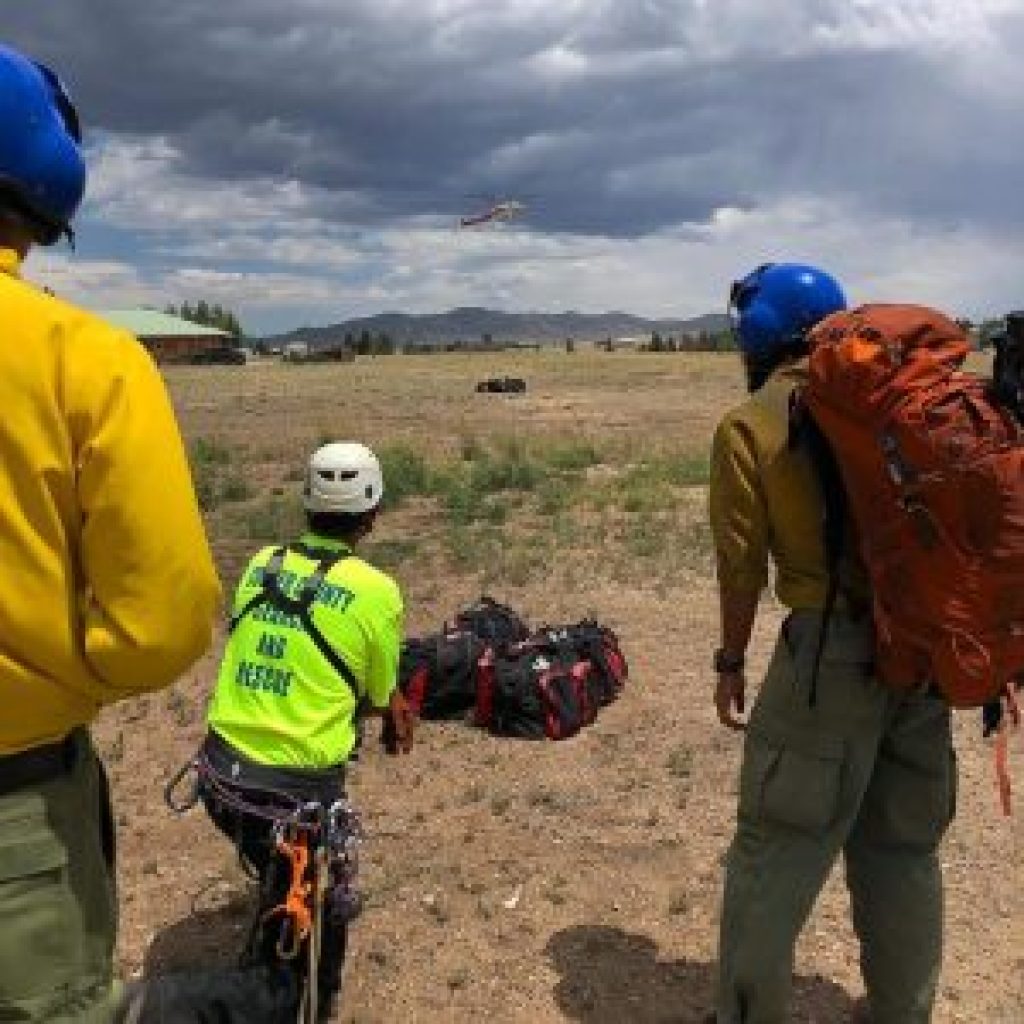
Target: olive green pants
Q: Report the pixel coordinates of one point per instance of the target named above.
(865, 771)
(57, 901)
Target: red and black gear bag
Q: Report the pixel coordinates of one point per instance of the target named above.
(438, 674)
(539, 688)
(508, 698)
(595, 643)
(567, 697)
(495, 623)
(933, 470)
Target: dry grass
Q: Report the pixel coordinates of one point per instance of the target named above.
(603, 452)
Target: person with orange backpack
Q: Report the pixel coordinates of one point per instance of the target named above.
(834, 761)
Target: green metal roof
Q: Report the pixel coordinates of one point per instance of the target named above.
(148, 323)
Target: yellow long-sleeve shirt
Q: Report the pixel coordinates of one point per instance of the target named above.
(765, 502)
(108, 587)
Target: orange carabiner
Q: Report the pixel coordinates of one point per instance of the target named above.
(296, 905)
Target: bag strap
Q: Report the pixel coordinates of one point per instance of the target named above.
(301, 606)
(805, 433)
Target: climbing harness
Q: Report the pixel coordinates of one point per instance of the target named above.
(318, 844)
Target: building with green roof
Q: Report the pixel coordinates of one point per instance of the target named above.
(170, 339)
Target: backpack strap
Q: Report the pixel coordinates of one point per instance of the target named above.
(301, 606)
(805, 433)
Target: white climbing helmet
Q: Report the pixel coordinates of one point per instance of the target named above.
(343, 477)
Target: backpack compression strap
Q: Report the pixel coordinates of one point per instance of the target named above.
(805, 432)
(301, 606)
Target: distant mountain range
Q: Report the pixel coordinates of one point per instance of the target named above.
(469, 324)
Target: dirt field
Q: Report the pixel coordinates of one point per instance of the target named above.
(512, 881)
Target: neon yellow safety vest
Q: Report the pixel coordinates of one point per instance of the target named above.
(315, 632)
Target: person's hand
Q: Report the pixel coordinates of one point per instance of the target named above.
(730, 699)
(399, 723)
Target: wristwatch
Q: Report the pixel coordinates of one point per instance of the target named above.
(728, 662)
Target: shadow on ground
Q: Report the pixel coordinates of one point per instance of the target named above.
(208, 937)
(609, 976)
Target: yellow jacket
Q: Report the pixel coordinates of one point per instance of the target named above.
(107, 587)
(766, 503)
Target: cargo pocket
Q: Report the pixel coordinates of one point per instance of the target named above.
(36, 943)
(911, 798)
(791, 779)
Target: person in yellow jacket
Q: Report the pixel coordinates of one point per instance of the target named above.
(314, 643)
(108, 587)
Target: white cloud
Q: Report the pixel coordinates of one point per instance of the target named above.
(143, 184)
(94, 283)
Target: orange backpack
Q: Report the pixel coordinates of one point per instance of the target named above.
(933, 471)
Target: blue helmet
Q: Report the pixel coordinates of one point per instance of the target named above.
(775, 306)
(41, 165)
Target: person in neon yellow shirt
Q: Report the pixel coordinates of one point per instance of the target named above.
(313, 644)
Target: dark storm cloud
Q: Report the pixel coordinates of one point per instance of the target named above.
(619, 118)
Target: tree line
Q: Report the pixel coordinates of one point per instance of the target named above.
(208, 315)
(703, 341)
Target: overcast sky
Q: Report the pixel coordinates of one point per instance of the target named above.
(306, 161)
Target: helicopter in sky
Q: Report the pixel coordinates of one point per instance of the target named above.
(499, 211)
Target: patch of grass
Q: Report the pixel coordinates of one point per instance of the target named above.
(687, 470)
(470, 547)
(696, 544)
(511, 470)
(274, 519)
(390, 554)
(572, 457)
(462, 504)
(553, 496)
(235, 488)
(206, 488)
(647, 534)
(207, 451)
(406, 473)
(677, 470)
(470, 449)
(680, 762)
(522, 562)
(208, 460)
